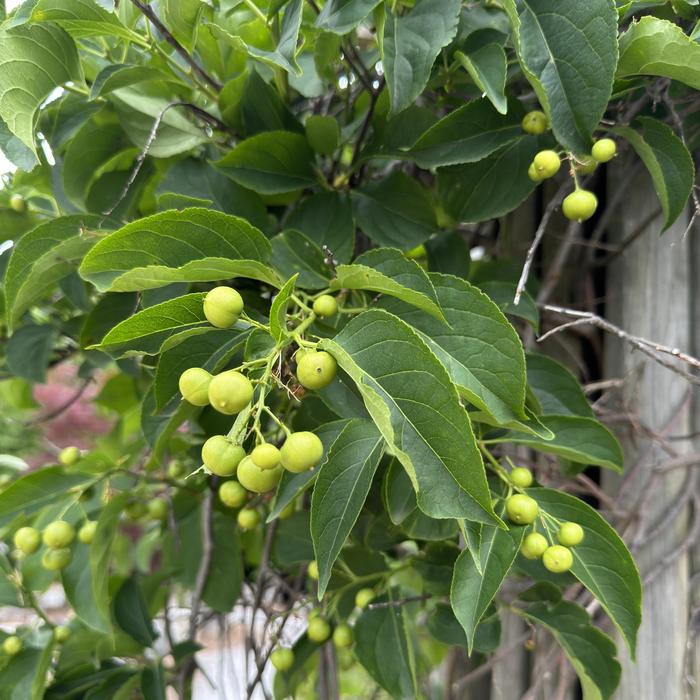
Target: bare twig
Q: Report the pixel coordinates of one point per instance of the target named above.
(399, 603)
(64, 406)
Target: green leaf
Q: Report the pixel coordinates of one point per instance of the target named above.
(38, 489)
(34, 59)
(182, 18)
(411, 45)
(601, 562)
(278, 310)
(422, 420)
(272, 162)
(212, 349)
(326, 218)
(223, 586)
(468, 134)
(23, 677)
(340, 16)
(293, 540)
(395, 211)
(487, 65)
(78, 585)
(479, 349)
(28, 351)
(119, 75)
(177, 246)
(42, 257)
(382, 646)
(668, 161)
(473, 589)
(590, 651)
(284, 54)
(568, 53)
(147, 330)
(387, 271)
(340, 491)
(582, 440)
(294, 253)
(503, 293)
(131, 613)
(555, 387)
(653, 46)
(492, 187)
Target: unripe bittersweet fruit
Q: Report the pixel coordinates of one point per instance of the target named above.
(248, 518)
(221, 456)
(522, 509)
(557, 559)
(27, 540)
(282, 659)
(342, 636)
(232, 494)
(86, 534)
(579, 205)
(364, 597)
(61, 633)
(604, 150)
(325, 306)
(157, 509)
(318, 630)
(535, 122)
(56, 559)
(534, 545)
(12, 645)
(570, 534)
(521, 477)
(547, 163)
(222, 306)
(69, 455)
(312, 570)
(301, 451)
(230, 392)
(316, 370)
(194, 386)
(265, 456)
(533, 174)
(255, 479)
(58, 534)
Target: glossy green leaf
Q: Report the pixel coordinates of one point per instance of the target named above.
(601, 562)
(182, 18)
(23, 677)
(582, 440)
(492, 187)
(147, 330)
(278, 310)
(340, 491)
(395, 211)
(148, 253)
(411, 44)
(468, 134)
(34, 59)
(503, 293)
(383, 647)
(340, 16)
(478, 347)
(590, 651)
(568, 53)
(293, 252)
(388, 271)
(654, 46)
(131, 613)
(28, 351)
(422, 420)
(271, 162)
(77, 583)
(285, 53)
(668, 161)
(487, 65)
(555, 387)
(473, 589)
(119, 75)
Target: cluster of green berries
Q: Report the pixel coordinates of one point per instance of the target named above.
(57, 537)
(523, 510)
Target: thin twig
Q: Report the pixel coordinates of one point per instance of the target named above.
(399, 603)
(64, 406)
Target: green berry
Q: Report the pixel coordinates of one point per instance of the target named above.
(364, 597)
(342, 636)
(58, 534)
(12, 645)
(69, 455)
(579, 205)
(604, 150)
(221, 456)
(322, 133)
(301, 451)
(222, 306)
(570, 534)
(86, 534)
(535, 122)
(282, 659)
(318, 630)
(534, 545)
(312, 570)
(265, 456)
(533, 174)
(27, 540)
(56, 559)
(248, 518)
(547, 163)
(325, 306)
(176, 469)
(522, 509)
(287, 511)
(232, 494)
(316, 370)
(61, 633)
(18, 203)
(157, 509)
(255, 479)
(230, 392)
(521, 477)
(557, 559)
(194, 386)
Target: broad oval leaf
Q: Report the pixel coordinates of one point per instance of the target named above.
(502, 294)
(580, 439)
(340, 16)
(131, 613)
(149, 251)
(555, 387)
(468, 134)
(388, 271)
(293, 252)
(77, 584)
(484, 58)
(422, 420)
(601, 562)
(474, 588)
(272, 162)
(668, 161)
(568, 51)
(340, 491)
